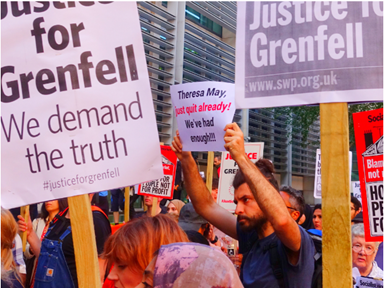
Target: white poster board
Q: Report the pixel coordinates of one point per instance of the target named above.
(300, 53)
(356, 189)
(317, 185)
(362, 282)
(228, 171)
(75, 98)
(202, 110)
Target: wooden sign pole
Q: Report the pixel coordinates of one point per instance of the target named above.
(84, 242)
(145, 207)
(154, 206)
(335, 196)
(126, 204)
(24, 211)
(209, 175)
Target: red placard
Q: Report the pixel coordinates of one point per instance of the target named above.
(163, 187)
(369, 147)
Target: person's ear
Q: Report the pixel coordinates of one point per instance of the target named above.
(295, 215)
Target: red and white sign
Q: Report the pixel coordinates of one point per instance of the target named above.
(369, 147)
(163, 187)
(228, 171)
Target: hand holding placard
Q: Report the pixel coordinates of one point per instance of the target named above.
(234, 141)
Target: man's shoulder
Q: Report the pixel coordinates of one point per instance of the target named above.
(100, 221)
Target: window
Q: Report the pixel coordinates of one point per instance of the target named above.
(203, 21)
(164, 4)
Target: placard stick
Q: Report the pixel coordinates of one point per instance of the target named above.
(209, 176)
(155, 199)
(24, 211)
(126, 204)
(84, 241)
(154, 206)
(335, 196)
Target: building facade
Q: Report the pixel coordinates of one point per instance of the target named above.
(195, 41)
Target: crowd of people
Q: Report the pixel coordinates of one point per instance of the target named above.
(273, 240)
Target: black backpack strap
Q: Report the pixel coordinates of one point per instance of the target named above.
(275, 262)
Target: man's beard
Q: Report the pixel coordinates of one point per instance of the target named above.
(252, 223)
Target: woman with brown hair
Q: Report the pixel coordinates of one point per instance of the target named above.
(9, 275)
(132, 247)
(36, 231)
(39, 226)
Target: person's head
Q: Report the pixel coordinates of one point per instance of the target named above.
(363, 253)
(215, 188)
(317, 219)
(355, 207)
(306, 220)
(294, 202)
(189, 219)
(206, 229)
(249, 213)
(148, 200)
(190, 265)
(8, 234)
(196, 237)
(217, 160)
(358, 219)
(53, 207)
(131, 248)
(174, 208)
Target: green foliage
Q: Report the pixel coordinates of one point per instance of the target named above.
(359, 108)
(301, 118)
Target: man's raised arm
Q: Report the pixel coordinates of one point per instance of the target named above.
(265, 194)
(201, 198)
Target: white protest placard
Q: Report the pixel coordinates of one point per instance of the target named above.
(202, 110)
(356, 189)
(75, 97)
(163, 187)
(362, 282)
(299, 53)
(317, 184)
(228, 171)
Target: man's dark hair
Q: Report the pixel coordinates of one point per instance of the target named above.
(296, 200)
(317, 206)
(356, 203)
(63, 203)
(218, 156)
(266, 168)
(215, 183)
